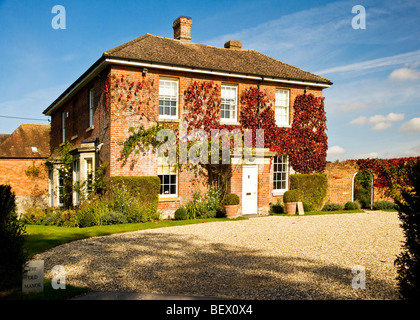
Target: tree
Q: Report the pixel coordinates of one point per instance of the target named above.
(408, 262)
(12, 257)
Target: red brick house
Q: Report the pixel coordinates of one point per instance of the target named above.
(27, 147)
(97, 124)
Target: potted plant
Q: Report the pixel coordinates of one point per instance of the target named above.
(290, 198)
(231, 205)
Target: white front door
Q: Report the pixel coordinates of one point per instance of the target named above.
(250, 189)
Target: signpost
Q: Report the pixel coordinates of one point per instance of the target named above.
(33, 277)
(300, 208)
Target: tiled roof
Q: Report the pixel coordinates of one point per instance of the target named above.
(180, 53)
(27, 141)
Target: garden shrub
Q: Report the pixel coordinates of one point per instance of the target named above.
(384, 205)
(181, 214)
(212, 198)
(136, 197)
(114, 217)
(231, 199)
(196, 208)
(352, 205)
(294, 195)
(276, 207)
(332, 207)
(11, 240)
(314, 187)
(90, 213)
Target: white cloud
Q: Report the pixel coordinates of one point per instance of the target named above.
(335, 150)
(395, 117)
(367, 155)
(353, 106)
(381, 126)
(404, 58)
(412, 126)
(391, 117)
(358, 121)
(404, 74)
(380, 121)
(377, 118)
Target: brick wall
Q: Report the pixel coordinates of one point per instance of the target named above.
(28, 190)
(340, 183)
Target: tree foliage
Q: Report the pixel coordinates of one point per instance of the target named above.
(12, 257)
(408, 262)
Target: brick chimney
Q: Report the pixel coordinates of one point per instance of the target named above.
(233, 44)
(182, 28)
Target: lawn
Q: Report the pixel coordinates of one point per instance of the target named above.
(40, 238)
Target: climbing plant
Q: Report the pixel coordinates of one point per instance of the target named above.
(391, 175)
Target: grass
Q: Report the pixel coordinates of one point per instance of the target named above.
(40, 238)
(48, 294)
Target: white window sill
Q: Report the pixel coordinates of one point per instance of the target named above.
(279, 192)
(168, 198)
(234, 123)
(284, 125)
(174, 119)
(90, 128)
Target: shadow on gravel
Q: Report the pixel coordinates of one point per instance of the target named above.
(164, 263)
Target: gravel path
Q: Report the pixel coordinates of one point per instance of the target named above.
(275, 257)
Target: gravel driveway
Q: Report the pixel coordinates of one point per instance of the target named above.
(274, 257)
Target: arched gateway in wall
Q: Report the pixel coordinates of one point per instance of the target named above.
(341, 183)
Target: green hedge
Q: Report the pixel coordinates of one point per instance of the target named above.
(136, 197)
(314, 187)
(145, 188)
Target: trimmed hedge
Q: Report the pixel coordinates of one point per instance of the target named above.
(231, 199)
(352, 205)
(385, 205)
(145, 188)
(294, 195)
(136, 197)
(181, 214)
(332, 207)
(314, 187)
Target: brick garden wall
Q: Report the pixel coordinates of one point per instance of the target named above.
(340, 183)
(28, 190)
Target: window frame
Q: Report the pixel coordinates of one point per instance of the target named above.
(87, 175)
(60, 194)
(165, 116)
(277, 106)
(63, 126)
(286, 180)
(230, 119)
(91, 106)
(165, 169)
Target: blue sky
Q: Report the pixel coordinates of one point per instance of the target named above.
(373, 108)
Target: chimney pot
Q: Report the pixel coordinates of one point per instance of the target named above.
(182, 28)
(233, 44)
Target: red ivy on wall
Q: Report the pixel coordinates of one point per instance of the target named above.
(308, 141)
(305, 142)
(391, 174)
